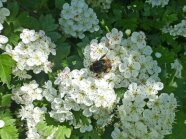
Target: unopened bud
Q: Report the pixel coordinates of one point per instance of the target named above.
(128, 32)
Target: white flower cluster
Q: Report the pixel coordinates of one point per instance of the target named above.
(32, 115)
(177, 66)
(130, 58)
(103, 4)
(32, 53)
(144, 114)
(78, 91)
(161, 3)
(4, 12)
(78, 18)
(25, 95)
(176, 30)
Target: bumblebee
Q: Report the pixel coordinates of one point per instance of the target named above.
(101, 65)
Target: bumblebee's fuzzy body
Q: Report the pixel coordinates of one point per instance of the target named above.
(102, 65)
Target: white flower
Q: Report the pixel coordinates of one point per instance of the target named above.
(85, 128)
(49, 92)
(161, 3)
(184, 8)
(97, 52)
(129, 69)
(3, 39)
(2, 123)
(28, 36)
(4, 12)
(1, 27)
(158, 55)
(177, 67)
(117, 134)
(77, 18)
(114, 37)
(139, 39)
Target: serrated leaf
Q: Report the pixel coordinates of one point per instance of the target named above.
(129, 23)
(14, 9)
(8, 120)
(53, 35)
(44, 129)
(91, 135)
(6, 100)
(62, 51)
(74, 137)
(179, 129)
(33, 4)
(47, 23)
(59, 3)
(6, 65)
(62, 133)
(8, 132)
(75, 62)
(27, 21)
(120, 92)
(79, 116)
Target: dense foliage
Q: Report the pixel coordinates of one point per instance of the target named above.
(92, 69)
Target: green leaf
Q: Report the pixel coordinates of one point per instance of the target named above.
(91, 135)
(53, 35)
(179, 129)
(44, 129)
(75, 62)
(129, 23)
(74, 137)
(8, 120)
(33, 4)
(62, 51)
(59, 3)
(6, 65)
(169, 17)
(6, 100)
(62, 133)
(120, 92)
(9, 132)
(14, 9)
(79, 116)
(47, 23)
(27, 21)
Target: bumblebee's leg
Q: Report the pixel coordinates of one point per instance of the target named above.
(103, 56)
(98, 75)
